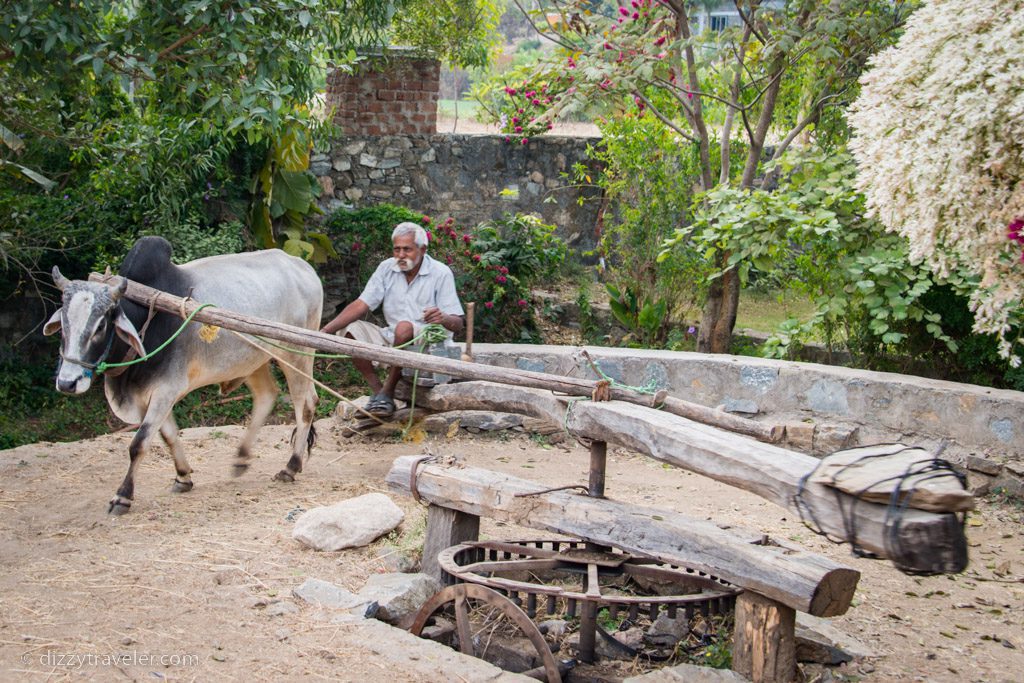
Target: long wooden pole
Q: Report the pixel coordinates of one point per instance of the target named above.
(574, 386)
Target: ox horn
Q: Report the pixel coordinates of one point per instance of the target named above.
(121, 289)
(59, 279)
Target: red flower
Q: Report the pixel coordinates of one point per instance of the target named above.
(660, 41)
(503, 270)
(489, 304)
(476, 257)
(429, 236)
(426, 220)
(466, 239)
(521, 302)
(501, 279)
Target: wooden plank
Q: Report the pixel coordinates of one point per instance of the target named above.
(330, 343)
(764, 640)
(804, 581)
(445, 527)
(924, 541)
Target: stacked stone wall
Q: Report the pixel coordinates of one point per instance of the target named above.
(473, 178)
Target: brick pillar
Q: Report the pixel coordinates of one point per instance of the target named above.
(392, 96)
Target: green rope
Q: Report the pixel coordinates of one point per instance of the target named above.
(650, 388)
(104, 366)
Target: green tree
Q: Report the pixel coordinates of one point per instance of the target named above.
(162, 94)
(737, 83)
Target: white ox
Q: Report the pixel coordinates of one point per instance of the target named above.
(98, 324)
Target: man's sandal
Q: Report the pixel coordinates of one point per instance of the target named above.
(381, 405)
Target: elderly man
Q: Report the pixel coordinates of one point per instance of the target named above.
(416, 290)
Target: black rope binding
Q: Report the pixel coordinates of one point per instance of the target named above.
(904, 558)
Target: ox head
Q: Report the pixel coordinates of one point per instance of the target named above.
(88, 319)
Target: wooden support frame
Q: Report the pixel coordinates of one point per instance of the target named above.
(764, 639)
(446, 527)
(797, 579)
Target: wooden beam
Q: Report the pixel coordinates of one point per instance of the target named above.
(804, 581)
(764, 640)
(925, 541)
(919, 540)
(330, 343)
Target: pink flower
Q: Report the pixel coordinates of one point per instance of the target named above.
(466, 253)
(510, 91)
(608, 46)
(623, 11)
(515, 119)
(489, 304)
(503, 270)
(425, 220)
(519, 129)
(429, 236)
(466, 238)
(521, 302)
(535, 102)
(660, 41)
(501, 279)
(525, 141)
(1015, 230)
(476, 257)
(636, 15)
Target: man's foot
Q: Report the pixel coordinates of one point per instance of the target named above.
(381, 405)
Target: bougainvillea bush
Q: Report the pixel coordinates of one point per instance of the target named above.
(495, 264)
(940, 145)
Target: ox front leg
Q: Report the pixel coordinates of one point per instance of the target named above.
(183, 471)
(157, 414)
(304, 398)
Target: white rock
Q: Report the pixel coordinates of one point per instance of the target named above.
(348, 524)
(325, 594)
(398, 595)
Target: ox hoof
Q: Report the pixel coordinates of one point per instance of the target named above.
(119, 506)
(239, 468)
(284, 475)
(181, 486)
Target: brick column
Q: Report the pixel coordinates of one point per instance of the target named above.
(396, 95)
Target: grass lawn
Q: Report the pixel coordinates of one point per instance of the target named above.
(467, 109)
(764, 311)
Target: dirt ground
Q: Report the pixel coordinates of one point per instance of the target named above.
(184, 578)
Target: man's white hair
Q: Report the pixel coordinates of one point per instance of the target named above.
(419, 234)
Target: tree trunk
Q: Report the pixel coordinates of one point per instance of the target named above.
(719, 315)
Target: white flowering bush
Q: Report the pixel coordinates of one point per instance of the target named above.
(940, 148)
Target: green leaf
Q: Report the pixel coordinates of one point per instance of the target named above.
(10, 139)
(300, 248)
(292, 190)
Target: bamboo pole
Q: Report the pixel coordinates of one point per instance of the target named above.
(574, 386)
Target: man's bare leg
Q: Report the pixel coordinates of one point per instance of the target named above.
(403, 335)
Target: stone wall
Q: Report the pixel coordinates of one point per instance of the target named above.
(473, 178)
(385, 97)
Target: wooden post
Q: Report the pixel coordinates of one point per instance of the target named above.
(764, 641)
(445, 528)
(598, 461)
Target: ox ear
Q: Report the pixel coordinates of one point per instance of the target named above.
(126, 331)
(54, 324)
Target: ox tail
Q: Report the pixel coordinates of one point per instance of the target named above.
(310, 439)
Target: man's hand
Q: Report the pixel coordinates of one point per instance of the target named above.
(433, 315)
